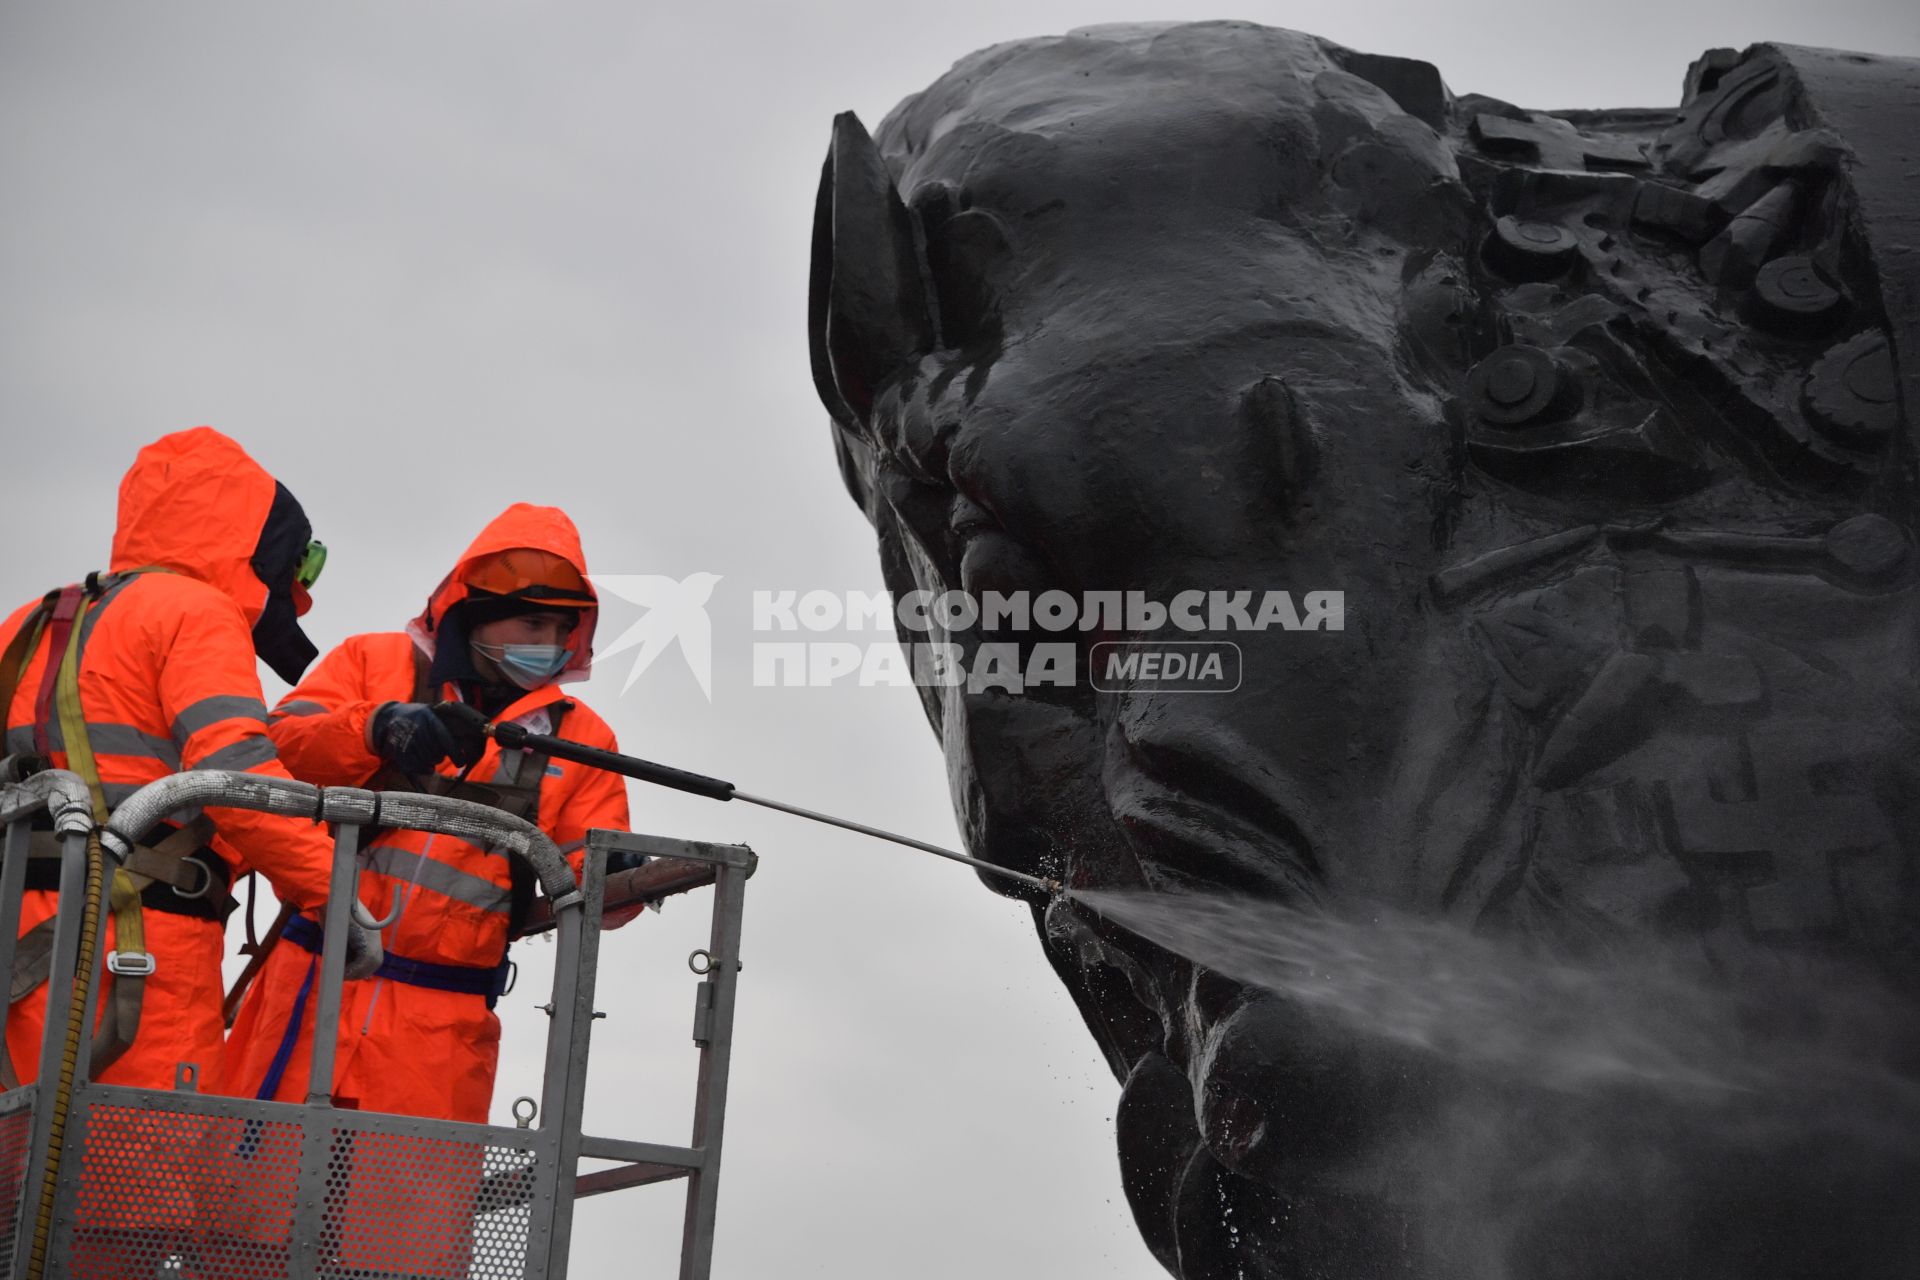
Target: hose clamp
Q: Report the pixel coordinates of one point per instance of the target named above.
(73, 818)
(115, 845)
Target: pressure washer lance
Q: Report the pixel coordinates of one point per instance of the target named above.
(516, 737)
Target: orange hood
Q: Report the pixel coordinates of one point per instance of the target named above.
(520, 525)
(195, 502)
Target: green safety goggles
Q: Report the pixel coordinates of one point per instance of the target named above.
(312, 561)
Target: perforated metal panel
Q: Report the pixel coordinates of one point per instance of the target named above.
(16, 1139)
(401, 1205)
(168, 1192)
(220, 1197)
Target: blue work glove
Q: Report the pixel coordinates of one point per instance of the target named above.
(414, 737)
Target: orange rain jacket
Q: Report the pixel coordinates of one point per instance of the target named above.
(405, 1048)
(168, 682)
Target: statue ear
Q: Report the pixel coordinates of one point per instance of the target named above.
(867, 312)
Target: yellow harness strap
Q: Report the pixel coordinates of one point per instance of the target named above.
(121, 1020)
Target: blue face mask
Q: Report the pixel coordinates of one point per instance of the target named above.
(528, 665)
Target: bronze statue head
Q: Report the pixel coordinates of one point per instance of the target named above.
(1599, 425)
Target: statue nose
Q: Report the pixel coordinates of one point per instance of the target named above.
(1279, 436)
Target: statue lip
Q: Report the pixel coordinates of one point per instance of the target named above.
(1199, 823)
(1189, 845)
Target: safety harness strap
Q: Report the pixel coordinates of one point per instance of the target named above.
(32, 957)
(168, 863)
(463, 979)
(68, 605)
(178, 874)
(283, 1052)
(182, 885)
(129, 962)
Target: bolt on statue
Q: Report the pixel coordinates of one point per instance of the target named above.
(1604, 423)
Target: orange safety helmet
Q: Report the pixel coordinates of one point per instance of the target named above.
(530, 575)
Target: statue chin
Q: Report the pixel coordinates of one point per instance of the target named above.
(1598, 426)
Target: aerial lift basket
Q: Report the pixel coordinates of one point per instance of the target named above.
(99, 1182)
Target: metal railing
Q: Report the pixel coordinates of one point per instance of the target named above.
(158, 1182)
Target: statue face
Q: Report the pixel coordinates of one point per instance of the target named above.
(1214, 310)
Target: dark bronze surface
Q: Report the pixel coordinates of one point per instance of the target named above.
(1602, 421)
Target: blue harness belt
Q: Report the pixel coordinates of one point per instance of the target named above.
(489, 981)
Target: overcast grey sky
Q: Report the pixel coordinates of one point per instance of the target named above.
(426, 259)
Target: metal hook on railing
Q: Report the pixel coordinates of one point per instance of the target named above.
(390, 919)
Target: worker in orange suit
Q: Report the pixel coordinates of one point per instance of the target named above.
(512, 622)
(211, 562)
(152, 666)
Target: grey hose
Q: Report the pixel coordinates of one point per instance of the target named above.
(154, 803)
(475, 823)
